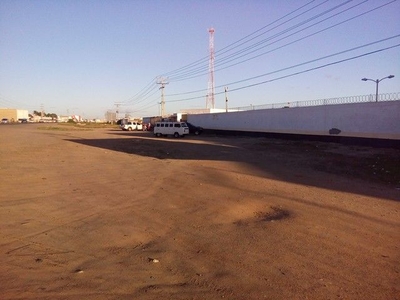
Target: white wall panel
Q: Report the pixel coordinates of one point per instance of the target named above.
(372, 120)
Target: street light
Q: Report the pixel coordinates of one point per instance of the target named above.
(377, 83)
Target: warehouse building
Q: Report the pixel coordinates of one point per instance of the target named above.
(13, 114)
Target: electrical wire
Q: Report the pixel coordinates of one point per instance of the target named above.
(313, 60)
(148, 87)
(300, 39)
(195, 75)
(193, 70)
(230, 46)
(294, 74)
(287, 68)
(313, 69)
(11, 103)
(142, 93)
(248, 48)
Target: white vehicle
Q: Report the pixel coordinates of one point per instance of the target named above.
(132, 126)
(176, 129)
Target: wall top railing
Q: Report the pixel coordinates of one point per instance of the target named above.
(320, 102)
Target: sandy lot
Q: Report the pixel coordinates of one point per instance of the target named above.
(105, 214)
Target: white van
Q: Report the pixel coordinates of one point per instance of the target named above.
(176, 129)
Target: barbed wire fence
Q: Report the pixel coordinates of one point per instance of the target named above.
(320, 102)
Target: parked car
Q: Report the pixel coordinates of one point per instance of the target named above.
(194, 129)
(23, 120)
(5, 120)
(132, 126)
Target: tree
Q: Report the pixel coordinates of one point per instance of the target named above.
(39, 113)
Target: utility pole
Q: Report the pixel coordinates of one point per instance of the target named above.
(117, 104)
(226, 99)
(162, 81)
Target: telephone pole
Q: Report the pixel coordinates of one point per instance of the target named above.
(162, 81)
(117, 104)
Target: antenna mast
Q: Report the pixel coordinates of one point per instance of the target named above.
(211, 84)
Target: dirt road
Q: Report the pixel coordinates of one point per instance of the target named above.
(105, 214)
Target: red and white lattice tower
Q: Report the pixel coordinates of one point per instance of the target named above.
(211, 84)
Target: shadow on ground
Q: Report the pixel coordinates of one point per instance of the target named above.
(299, 162)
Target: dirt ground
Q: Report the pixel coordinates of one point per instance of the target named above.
(105, 214)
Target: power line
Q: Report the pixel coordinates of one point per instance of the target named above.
(12, 103)
(296, 73)
(248, 48)
(229, 47)
(227, 61)
(314, 60)
(291, 67)
(149, 94)
(146, 107)
(316, 68)
(279, 19)
(219, 63)
(143, 92)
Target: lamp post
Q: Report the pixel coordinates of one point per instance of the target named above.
(377, 83)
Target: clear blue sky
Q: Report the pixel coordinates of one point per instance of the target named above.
(85, 56)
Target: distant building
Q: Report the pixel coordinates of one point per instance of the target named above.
(40, 119)
(110, 116)
(13, 114)
(63, 119)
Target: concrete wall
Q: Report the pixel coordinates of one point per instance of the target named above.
(364, 120)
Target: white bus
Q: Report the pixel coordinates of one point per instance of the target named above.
(176, 129)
